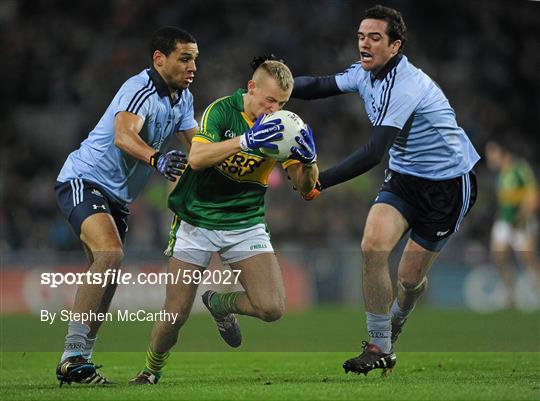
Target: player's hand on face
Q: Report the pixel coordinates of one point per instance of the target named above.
(261, 135)
(171, 164)
(305, 152)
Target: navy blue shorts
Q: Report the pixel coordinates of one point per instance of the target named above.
(433, 209)
(80, 198)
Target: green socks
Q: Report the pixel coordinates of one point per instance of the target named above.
(224, 304)
(155, 361)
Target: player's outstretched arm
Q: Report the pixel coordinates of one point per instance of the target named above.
(315, 87)
(364, 159)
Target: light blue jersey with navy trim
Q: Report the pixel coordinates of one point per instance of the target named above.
(430, 144)
(99, 160)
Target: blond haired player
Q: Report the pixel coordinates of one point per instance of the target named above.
(219, 207)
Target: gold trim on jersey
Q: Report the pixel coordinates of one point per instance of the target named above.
(206, 113)
(515, 196)
(246, 119)
(201, 139)
(288, 163)
(172, 235)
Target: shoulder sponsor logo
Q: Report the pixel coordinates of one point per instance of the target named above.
(96, 192)
(96, 207)
(229, 134)
(441, 233)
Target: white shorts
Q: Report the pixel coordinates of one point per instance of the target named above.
(516, 238)
(196, 245)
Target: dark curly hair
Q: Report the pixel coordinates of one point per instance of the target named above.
(396, 29)
(258, 60)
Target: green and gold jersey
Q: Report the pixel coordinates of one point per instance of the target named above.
(230, 195)
(513, 186)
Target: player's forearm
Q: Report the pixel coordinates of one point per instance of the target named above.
(132, 144)
(204, 155)
(306, 177)
(315, 87)
(127, 127)
(364, 159)
(356, 164)
(186, 137)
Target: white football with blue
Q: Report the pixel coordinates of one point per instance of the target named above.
(292, 125)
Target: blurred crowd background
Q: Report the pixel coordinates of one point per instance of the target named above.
(63, 61)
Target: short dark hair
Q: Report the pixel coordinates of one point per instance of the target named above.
(166, 38)
(258, 60)
(396, 29)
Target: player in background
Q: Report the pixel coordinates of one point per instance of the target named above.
(429, 186)
(219, 207)
(110, 169)
(516, 224)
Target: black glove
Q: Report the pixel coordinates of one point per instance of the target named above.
(171, 164)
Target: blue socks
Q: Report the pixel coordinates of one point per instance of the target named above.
(75, 340)
(380, 330)
(89, 348)
(398, 314)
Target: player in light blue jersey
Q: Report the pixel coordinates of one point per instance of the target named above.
(109, 170)
(429, 186)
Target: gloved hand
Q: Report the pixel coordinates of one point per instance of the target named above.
(306, 152)
(262, 135)
(314, 192)
(171, 164)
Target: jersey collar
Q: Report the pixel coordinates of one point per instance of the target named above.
(387, 67)
(237, 99)
(161, 86)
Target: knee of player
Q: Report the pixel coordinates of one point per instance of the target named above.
(373, 247)
(179, 319)
(108, 259)
(181, 313)
(272, 311)
(413, 283)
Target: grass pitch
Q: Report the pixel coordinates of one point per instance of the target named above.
(508, 368)
(285, 376)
